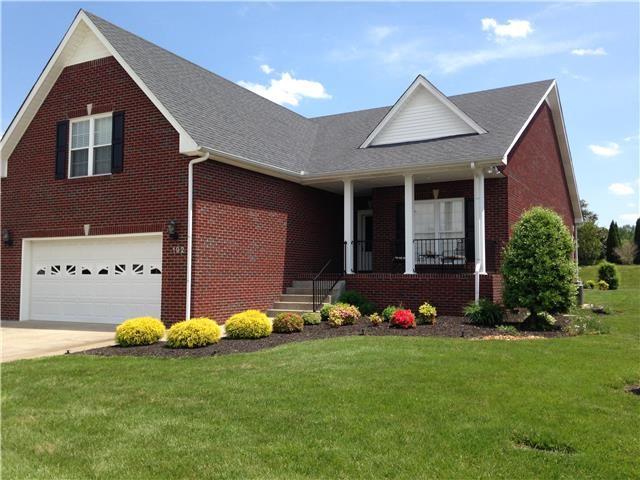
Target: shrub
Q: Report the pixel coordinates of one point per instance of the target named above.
(602, 285)
(248, 324)
(288, 323)
(343, 314)
(358, 300)
(426, 314)
(609, 273)
(540, 321)
(537, 267)
(627, 252)
(197, 332)
(484, 313)
(403, 318)
(139, 331)
(324, 312)
(590, 284)
(375, 319)
(507, 330)
(388, 312)
(586, 325)
(311, 318)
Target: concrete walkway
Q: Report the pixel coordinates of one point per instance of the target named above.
(32, 339)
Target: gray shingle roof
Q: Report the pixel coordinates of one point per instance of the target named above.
(222, 115)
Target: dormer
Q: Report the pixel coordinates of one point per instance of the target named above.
(421, 113)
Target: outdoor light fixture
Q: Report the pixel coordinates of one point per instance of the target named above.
(6, 237)
(172, 230)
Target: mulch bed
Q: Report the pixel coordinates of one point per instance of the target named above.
(445, 327)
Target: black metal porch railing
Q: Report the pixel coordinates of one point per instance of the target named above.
(330, 274)
(440, 251)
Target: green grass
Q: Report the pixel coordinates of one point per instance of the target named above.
(358, 407)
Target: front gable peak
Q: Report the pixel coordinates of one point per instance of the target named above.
(421, 113)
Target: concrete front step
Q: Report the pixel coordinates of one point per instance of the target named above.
(292, 297)
(306, 306)
(299, 290)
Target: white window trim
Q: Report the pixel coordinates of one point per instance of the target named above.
(436, 219)
(92, 119)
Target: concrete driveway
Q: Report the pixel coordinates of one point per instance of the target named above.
(32, 339)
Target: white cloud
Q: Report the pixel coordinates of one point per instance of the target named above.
(266, 68)
(379, 33)
(287, 89)
(629, 217)
(621, 189)
(632, 137)
(582, 52)
(610, 149)
(511, 29)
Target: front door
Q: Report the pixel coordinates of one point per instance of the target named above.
(363, 250)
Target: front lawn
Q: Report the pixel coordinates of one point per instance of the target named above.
(351, 407)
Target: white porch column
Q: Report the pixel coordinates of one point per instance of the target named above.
(478, 221)
(409, 251)
(348, 224)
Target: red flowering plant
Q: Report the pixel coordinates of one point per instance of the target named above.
(403, 318)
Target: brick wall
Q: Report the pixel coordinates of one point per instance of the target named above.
(254, 234)
(448, 292)
(535, 173)
(151, 191)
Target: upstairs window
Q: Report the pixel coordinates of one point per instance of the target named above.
(90, 146)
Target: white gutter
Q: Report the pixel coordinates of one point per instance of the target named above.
(203, 158)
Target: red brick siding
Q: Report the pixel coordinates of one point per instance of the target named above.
(254, 234)
(535, 173)
(448, 292)
(384, 201)
(151, 191)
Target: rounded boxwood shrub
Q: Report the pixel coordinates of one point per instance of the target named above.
(609, 273)
(538, 271)
(590, 284)
(311, 318)
(288, 323)
(358, 300)
(324, 312)
(139, 331)
(197, 332)
(388, 312)
(602, 285)
(343, 314)
(248, 324)
(403, 318)
(484, 313)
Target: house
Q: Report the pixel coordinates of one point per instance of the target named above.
(137, 183)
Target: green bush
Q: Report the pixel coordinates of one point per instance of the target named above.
(609, 273)
(311, 318)
(586, 324)
(375, 319)
(139, 331)
(602, 285)
(388, 312)
(590, 284)
(484, 313)
(537, 267)
(507, 330)
(343, 314)
(288, 323)
(197, 332)
(248, 324)
(324, 312)
(351, 297)
(542, 321)
(426, 314)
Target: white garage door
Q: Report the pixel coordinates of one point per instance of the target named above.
(101, 280)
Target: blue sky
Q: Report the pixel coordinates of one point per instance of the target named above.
(328, 58)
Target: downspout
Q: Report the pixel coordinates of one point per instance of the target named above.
(203, 158)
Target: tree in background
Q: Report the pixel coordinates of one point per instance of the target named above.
(537, 267)
(636, 239)
(626, 232)
(591, 237)
(613, 242)
(587, 215)
(627, 252)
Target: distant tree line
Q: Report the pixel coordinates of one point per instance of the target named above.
(615, 244)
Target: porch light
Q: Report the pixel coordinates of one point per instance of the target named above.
(172, 230)
(6, 237)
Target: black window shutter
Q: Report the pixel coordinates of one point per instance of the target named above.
(399, 240)
(62, 148)
(117, 142)
(470, 247)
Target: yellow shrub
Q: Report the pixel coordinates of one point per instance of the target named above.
(248, 324)
(196, 332)
(139, 331)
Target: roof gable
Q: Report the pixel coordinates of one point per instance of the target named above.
(421, 113)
